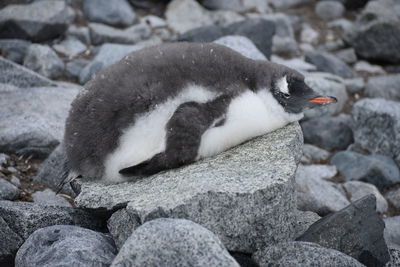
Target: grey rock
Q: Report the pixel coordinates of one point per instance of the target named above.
(302, 254)
(116, 13)
(38, 127)
(15, 181)
(8, 191)
(54, 170)
(394, 257)
(230, 194)
(355, 85)
(393, 197)
(377, 126)
(328, 132)
(308, 35)
(329, 9)
(10, 242)
(367, 68)
(202, 34)
(107, 55)
(38, 21)
(66, 245)
(25, 217)
(317, 195)
(387, 86)
(80, 33)
(259, 31)
(48, 197)
(295, 63)
(74, 67)
(392, 230)
(70, 47)
(378, 170)
(357, 231)
(236, 5)
(14, 74)
(304, 220)
(14, 49)
(286, 4)
(153, 21)
(329, 63)
(314, 154)
(173, 242)
(242, 45)
(100, 33)
(185, 15)
(347, 55)
(319, 171)
(4, 159)
(43, 60)
(356, 190)
(121, 226)
(326, 84)
(380, 20)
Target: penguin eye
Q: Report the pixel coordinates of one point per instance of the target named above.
(286, 95)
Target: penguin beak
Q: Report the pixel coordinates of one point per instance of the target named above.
(323, 100)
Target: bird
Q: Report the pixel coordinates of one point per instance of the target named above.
(172, 104)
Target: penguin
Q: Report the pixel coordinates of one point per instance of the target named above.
(172, 104)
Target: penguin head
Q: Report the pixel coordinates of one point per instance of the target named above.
(290, 90)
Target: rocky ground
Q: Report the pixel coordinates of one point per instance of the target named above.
(259, 204)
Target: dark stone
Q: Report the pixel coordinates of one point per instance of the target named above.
(66, 245)
(10, 242)
(378, 170)
(377, 32)
(202, 34)
(38, 21)
(328, 132)
(244, 259)
(356, 230)
(14, 49)
(116, 13)
(259, 31)
(329, 63)
(25, 217)
(302, 254)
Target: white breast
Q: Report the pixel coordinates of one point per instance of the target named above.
(249, 115)
(147, 136)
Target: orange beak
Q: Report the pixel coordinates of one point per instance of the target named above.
(323, 100)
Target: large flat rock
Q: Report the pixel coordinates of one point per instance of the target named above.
(244, 195)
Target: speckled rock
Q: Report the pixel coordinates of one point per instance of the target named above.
(394, 257)
(10, 242)
(245, 195)
(357, 231)
(357, 190)
(43, 60)
(38, 21)
(386, 86)
(66, 245)
(25, 217)
(302, 254)
(14, 74)
(48, 197)
(38, 127)
(121, 225)
(392, 230)
(377, 126)
(173, 242)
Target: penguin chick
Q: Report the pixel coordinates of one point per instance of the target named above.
(172, 104)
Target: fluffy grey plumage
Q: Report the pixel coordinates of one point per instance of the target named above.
(115, 99)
